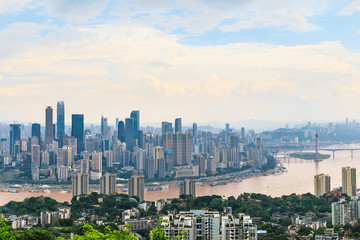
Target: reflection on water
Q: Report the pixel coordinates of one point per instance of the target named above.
(299, 179)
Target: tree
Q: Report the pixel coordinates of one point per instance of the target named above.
(158, 233)
(5, 231)
(89, 233)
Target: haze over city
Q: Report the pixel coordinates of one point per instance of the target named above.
(201, 60)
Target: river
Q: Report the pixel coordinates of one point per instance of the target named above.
(299, 179)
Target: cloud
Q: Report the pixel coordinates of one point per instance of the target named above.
(199, 16)
(349, 9)
(96, 68)
(275, 85)
(13, 6)
(79, 11)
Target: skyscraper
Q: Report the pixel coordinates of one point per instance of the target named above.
(96, 165)
(35, 155)
(161, 168)
(243, 133)
(15, 135)
(104, 126)
(77, 130)
(49, 126)
(195, 130)
(158, 152)
(121, 131)
(349, 181)
(80, 184)
(187, 187)
(137, 186)
(149, 167)
(178, 126)
(60, 121)
(166, 127)
(130, 134)
(135, 115)
(108, 184)
(35, 130)
(182, 145)
(321, 184)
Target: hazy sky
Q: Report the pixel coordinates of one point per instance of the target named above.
(202, 60)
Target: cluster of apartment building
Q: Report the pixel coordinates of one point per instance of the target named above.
(47, 217)
(212, 225)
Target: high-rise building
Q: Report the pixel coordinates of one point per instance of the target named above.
(84, 166)
(135, 115)
(35, 155)
(35, 131)
(15, 135)
(104, 126)
(121, 131)
(64, 156)
(60, 121)
(49, 125)
(77, 130)
(187, 187)
(116, 122)
(238, 226)
(63, 173)
(158, 152)
(149, 167)
(140, 155)
(182, 145)
(195, 130)
(349, 181)
(161, 168)
(80, 184)
(178, 125)
(345, 211)
(167, 141)
(321, 184)
(137, 186)
(96, 165)
(45, 158)
(166, 127)
(194, 224)
(202, 166)
(108, 184)
(130, 134)
(109, 155)
(243, 134)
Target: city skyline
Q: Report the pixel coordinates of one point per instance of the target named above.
(281, 61)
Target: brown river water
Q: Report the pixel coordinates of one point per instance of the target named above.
(298, 179)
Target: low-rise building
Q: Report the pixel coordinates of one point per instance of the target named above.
(49, 217)
(25, 221)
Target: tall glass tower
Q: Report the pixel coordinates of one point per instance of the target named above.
(15, 135)
(121, 131)
(60, 121)
(35, 130)
(77, 130)
(178, 126)
(135, 115)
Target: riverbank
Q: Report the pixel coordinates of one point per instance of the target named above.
(156, 190)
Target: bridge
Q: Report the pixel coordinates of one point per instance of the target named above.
(333, 150)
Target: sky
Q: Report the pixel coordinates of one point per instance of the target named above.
(202, 60)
